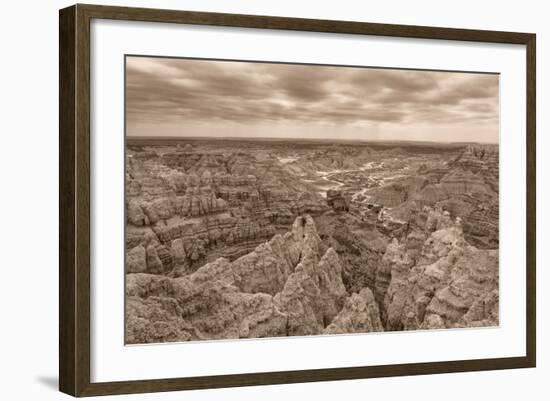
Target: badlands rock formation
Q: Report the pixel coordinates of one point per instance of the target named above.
(360, 314)
(441, 282)
(290, 285)
(308, 239)
(293, 285)
(467, 187)
(191, 207)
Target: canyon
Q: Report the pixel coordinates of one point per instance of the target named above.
(243, 238)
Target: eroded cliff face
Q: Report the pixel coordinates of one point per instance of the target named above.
(358, 244)
(290, 285)
(228, 244)
(466, 187)
(188, 208)
(360, 314)
(293, 285)
(444, 283)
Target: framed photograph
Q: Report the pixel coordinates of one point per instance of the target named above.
(250, 200)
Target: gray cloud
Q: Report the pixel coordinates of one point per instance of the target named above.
(180, 91)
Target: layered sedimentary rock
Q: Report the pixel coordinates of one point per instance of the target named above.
(360, 314)
(205, 306)
(480, 159)
(188, 244)
(217, 204)
(291, 285)
(467, 188)
(359, 246)
(448, 284)
(197, 201)
(338, 157)
(219, 243)
(454, 183)
(396, 193)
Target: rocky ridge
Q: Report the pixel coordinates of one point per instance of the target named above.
(467, 187)
(290, 285)
(435, 279)
(293, 285)
(193, 207)
(234, 245)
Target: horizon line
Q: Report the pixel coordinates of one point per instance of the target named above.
(303, 139)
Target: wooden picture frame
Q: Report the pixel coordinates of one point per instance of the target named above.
(74, 199)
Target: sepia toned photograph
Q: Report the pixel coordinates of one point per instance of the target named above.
(276, 199)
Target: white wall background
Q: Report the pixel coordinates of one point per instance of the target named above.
(28, 199)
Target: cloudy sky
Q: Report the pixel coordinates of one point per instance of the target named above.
(179, 97)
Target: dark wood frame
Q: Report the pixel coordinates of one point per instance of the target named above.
(74, 199)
